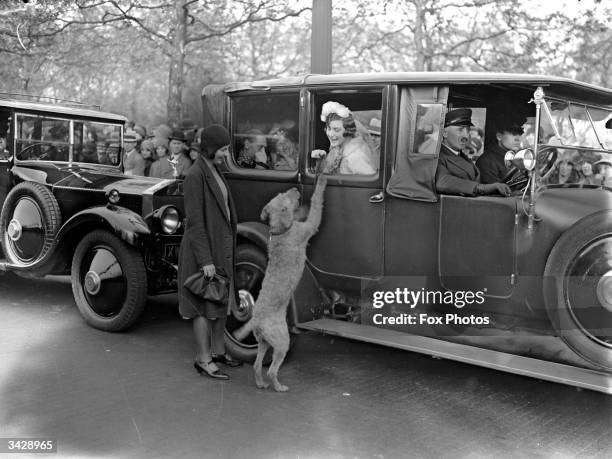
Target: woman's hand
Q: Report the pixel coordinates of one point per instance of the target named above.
(316, 154)
(209, 270)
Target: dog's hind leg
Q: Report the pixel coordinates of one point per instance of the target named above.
(262, 348)
(280, 344)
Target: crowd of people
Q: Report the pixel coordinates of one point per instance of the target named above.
(163, 153)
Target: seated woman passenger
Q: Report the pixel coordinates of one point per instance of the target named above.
(253, 154)
(348, 153)
(285, 154)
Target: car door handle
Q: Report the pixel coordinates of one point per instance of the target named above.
(378, 197)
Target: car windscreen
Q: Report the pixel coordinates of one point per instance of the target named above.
(49, 138)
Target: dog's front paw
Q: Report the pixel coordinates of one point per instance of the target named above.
(280, 388)
(262, 385)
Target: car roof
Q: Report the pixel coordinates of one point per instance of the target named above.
(77, 110)
(559, 85)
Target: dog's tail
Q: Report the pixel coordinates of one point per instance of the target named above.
(243, 331)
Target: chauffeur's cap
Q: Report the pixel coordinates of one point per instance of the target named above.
(458, 117)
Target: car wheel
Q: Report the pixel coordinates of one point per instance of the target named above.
(29, 222)
(250, 268)
(109, 281)
(578, 288)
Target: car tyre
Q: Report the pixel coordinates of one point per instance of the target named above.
(109, 281)
(29, 222)
(250, 268)
(578, 288)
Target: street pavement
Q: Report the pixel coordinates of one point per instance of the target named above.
(136, 394)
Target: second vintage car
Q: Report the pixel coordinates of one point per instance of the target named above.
(67, 208)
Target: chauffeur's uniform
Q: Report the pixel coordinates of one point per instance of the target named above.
(456, 174)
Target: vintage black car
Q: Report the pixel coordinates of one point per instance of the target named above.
(67, 208)
(536, 266)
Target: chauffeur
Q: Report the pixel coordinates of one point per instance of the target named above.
(491, 163)
(456, 174)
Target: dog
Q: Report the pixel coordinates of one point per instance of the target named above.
(286, 258)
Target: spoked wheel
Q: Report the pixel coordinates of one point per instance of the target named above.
(109, 281)
(29, 222)
(579, 289)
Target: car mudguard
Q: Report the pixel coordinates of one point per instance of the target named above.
(126, 224)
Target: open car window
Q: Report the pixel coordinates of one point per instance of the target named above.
(265, 131)
(357, 150)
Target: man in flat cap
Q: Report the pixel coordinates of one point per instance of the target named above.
(456, 174)
(507, 138)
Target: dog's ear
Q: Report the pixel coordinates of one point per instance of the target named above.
(264, 214)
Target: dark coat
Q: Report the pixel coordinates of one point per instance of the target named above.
(210, 238)
(456, 174)
(491, 165)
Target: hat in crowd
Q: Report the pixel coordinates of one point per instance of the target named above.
(605, 159)
(160, 142)
(374, 126)
(140, 130)
(163, 130)
(177, 134)
(458, 117)
(195, 145)
(130, 136)
(214, 137)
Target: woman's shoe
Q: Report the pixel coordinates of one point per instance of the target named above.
(204, 367)
(226, 359)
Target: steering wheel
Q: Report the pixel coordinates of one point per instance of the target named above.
(23, 156)
(548, 156)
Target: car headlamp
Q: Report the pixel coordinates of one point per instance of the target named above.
(170, 220)
(522, 159)
(113, 196)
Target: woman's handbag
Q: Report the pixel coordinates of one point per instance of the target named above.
(215, 289)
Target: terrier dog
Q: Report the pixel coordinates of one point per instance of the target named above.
(286, 259)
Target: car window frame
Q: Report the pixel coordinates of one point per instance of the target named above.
(312, 121)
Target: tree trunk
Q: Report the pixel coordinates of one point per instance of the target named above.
(176, 76)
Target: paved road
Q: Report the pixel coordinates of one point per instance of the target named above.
(135, 394)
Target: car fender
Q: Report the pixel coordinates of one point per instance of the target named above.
(557, 210)
(127, 225)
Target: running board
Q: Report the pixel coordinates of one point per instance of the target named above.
(525, 366)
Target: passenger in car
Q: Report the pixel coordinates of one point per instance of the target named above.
(507, 138)
(285, 152)
(456, 174)
(253, 154)
(348, 153)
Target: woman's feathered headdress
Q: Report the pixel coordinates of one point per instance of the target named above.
(334, 107)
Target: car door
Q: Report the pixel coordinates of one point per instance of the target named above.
(350, 241)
